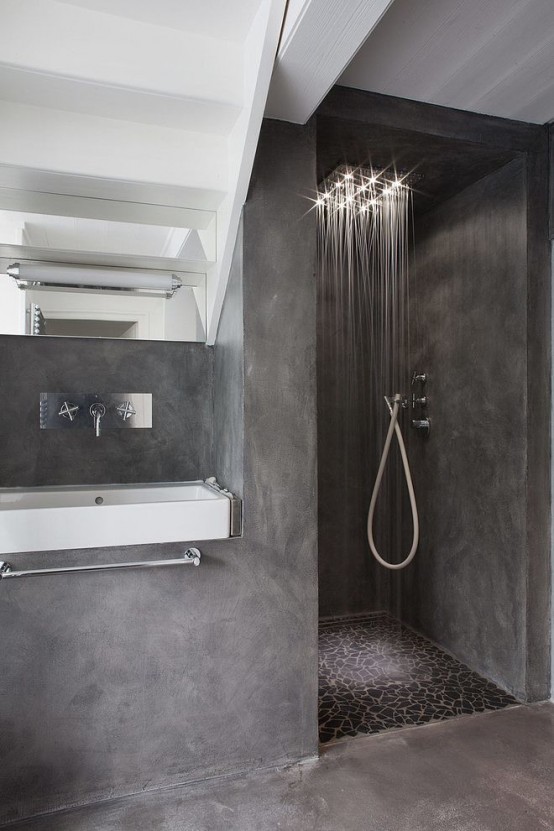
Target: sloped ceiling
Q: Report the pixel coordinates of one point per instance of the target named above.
(487, 56)
(216, 18)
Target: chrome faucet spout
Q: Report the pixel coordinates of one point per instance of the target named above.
(97, 411)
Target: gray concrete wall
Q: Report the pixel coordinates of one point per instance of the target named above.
(467, 587)
(177, 448)
(112, 683)
(350, 580)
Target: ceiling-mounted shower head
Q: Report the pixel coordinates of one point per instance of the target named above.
(361, 188)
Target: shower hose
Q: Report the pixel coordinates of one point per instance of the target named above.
(394, 427)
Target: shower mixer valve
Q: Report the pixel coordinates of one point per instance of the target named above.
(101, 411)
(420, 422)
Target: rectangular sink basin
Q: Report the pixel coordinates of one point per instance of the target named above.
(55, 518)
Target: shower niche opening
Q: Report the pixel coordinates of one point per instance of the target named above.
(422, 293)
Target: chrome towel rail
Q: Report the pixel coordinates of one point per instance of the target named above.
(192, 556)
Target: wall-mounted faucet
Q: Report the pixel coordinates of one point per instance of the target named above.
(97, 411)
(111, 410)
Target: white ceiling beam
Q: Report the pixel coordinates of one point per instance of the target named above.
(141, 193)
(110, 210)
(39, 89)
(93, 46)
(226, 19)
(75, 143)
(320, 38)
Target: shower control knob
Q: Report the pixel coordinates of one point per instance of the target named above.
(419, 378)
(422, 425)
(126, 410)
(419, 402)
(68, 410)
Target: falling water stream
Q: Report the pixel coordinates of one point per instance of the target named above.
(364, 232)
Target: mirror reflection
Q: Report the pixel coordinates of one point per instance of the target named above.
(145, 294)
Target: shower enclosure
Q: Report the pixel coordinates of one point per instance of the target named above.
(431, 281)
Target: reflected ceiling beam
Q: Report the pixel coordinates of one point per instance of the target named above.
(320, 38)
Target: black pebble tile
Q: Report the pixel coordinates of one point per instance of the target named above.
(375, 674)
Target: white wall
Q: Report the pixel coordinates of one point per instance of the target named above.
(12, 307)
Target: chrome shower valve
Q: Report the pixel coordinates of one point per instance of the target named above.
(422, 425)
(68, 410)
(126, 410)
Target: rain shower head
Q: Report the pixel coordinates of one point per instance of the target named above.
(361, 188)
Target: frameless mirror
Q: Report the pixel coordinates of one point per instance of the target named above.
(89, 267)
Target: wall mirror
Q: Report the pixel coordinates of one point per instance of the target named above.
(94, 267)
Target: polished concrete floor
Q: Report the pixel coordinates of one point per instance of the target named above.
(487, 772)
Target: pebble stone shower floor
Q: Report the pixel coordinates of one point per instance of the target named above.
(376, 674)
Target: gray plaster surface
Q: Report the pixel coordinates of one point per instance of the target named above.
(467, 586)
(179, 376)
(490, 772)
(539, 432)
(350, 579)
(118, 681)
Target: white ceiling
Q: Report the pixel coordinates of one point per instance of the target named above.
(487, 56)
(223, 19)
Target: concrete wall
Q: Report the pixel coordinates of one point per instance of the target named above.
(177, 448)
(350, 580)
(112, 683)
(467, 586)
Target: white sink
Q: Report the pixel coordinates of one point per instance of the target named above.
(54, 518)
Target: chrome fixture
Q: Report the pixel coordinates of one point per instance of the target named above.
(37, 323)
(68, 410)
(235, 529)
(360, 190)
(420, 422)
(97, 411)
(423, 425)
(192, 556)
(109, 410)
(126, 410)
(33, 275)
